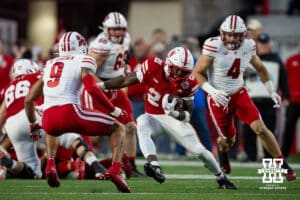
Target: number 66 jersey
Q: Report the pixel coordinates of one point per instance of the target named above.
(226, 74)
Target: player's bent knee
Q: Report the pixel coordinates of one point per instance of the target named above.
(130, 128)
(81, 147)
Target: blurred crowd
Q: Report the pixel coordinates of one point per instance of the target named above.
(159, 46)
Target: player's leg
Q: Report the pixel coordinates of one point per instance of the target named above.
(82, 150)
(186, 135)
(122, 101)
(146, 127)
(270, 143)
(248, 112)
(96, 123)
(223, 120)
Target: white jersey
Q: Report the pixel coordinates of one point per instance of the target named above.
(114, 65)
(62, 79)
(226, 74)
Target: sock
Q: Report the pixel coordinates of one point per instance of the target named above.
(220, 175)
(154, 163)
(98, 168)
(62, 167)
(210, 162)
(132, 162)
(106, 162)
(90, 160)
(285, 165)
(116, 166)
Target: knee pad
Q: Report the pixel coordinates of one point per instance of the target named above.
(81, 143)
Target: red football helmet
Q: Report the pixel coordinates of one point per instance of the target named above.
(179, 64)
(233, 32)
(115, 27)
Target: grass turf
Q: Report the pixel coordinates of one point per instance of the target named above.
(246, 178)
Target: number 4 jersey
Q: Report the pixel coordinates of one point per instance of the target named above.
(226, 74)
(156, 85)
(15, 92)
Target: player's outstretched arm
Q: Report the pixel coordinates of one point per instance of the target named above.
(120, 82)
(34, 93)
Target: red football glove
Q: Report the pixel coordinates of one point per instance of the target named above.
(35, 131)
(120, 115)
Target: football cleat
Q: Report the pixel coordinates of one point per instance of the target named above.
(291, 175)
(51, 174)
(118, 180)
(154, 172)
(224, 183)
(80, 168)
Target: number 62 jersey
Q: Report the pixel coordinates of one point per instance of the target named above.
(226, 74)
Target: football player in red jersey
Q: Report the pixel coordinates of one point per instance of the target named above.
(219, 71)
(163, 80)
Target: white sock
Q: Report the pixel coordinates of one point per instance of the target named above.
(90, 160)
(154, 163)
(210, 162)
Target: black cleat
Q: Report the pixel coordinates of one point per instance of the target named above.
(224, 183)
(154, 172)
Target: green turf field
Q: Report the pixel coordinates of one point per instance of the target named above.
(183, 182)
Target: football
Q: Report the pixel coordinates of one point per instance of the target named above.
(180, 101)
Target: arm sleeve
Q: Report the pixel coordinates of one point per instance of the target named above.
(90, 84)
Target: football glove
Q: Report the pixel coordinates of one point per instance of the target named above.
(35, 131)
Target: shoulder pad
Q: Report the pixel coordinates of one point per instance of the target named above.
(211, 46)
(101, 44)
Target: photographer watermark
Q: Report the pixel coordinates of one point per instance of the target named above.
(272, 174)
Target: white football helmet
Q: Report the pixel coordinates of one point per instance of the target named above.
(179, 64)
(72, 43)
(23, 67)
(115, 20)
(233, 32)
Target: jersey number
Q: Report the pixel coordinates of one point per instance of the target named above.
(15, 92)
(120, 60)
(153, 97)
(234, 70)
(55, 74)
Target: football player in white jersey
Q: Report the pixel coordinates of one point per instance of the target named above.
(110, 50)
(219, 71)
(60, 84)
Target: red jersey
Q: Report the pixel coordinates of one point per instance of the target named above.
(156, 85)
(293, 71)
(6, 61)
(15, 92)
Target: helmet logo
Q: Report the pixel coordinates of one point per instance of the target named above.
(80, 40)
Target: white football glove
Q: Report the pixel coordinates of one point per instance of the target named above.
(220, 97)
(277, 99)
(167, 106)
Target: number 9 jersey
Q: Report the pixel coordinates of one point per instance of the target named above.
(226, 74)
(62, 79)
